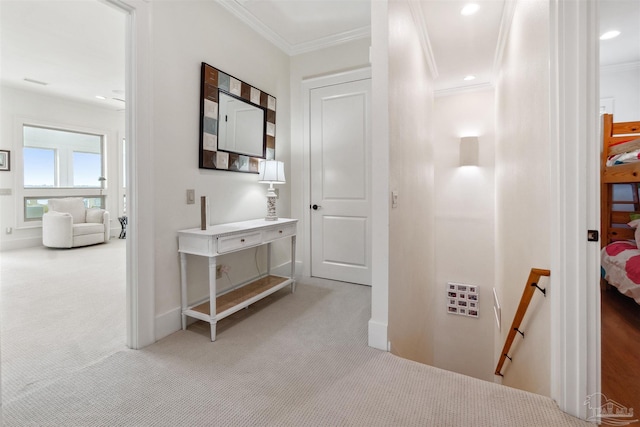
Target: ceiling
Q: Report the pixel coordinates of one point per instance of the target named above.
(624, 16)
(77, 47)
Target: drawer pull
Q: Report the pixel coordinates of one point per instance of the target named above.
(280, 231)
(241, 240)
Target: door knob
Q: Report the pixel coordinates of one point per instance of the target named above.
(315, 207)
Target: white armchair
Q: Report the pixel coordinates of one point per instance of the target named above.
(69, 224)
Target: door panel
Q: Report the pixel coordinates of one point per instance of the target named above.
(345, 240)
(340, 182)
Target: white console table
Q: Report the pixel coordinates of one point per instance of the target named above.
(227, 238)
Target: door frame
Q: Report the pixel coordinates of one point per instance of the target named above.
(307, 86)
(575, 201)
(140, 292)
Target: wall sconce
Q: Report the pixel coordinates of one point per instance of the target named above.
(469, 151)
(271, 172)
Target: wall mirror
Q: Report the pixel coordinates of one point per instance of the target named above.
(240, 126)
(237, 123)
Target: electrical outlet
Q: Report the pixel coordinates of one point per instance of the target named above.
(219, 271)
(9, 230)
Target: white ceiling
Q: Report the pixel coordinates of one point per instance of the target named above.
(77, 47)
(624, 16)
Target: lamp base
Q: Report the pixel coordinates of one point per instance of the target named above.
(271, 208)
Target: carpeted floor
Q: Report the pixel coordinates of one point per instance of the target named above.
(62, 309)
(290, 360)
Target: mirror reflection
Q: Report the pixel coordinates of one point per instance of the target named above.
(240, 126)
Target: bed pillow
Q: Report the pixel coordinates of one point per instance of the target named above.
(634, 224)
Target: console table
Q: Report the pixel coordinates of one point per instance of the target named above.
(227, 238)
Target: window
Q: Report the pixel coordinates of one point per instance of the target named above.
(60, 163)
(35, 207)
(55, 158)
(85, 166)
(39, 167)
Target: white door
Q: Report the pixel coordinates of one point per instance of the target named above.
(340, 139)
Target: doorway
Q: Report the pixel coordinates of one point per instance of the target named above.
(56, 275)
(620, 96)
(337, 116)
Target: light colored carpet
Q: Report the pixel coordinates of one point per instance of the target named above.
(290, 360)
(62, 310)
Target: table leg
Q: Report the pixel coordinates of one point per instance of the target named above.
(212, 297)
(293, 263)
(268, 259)
(183, 288)
(213, 330)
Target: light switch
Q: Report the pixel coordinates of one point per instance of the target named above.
(191, 197)
(394, 199)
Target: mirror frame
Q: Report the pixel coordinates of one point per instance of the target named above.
(214, 81)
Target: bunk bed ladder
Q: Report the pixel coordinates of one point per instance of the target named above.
(527, 295)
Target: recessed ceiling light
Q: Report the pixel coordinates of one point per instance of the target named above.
(101, 97)
(469, 9)
(610, 35)
(469, 77)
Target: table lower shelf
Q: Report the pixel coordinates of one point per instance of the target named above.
(233, 301)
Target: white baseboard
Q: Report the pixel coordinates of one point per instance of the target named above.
(28, 242)
(378, 335)
(285, 269)
(168, 323)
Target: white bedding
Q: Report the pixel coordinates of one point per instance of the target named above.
(619, 159)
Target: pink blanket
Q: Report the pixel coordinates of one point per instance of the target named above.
(621, 264)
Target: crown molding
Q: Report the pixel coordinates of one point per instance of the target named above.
(508, 10)
(240, 12)
(463, 89)
(236, 8)
(627, 66)
(423, 34)
(332, 40)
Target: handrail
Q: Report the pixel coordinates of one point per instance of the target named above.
(529, 289)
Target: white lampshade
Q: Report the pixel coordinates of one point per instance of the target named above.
(271, 172)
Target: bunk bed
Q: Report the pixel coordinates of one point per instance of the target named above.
(620, 209)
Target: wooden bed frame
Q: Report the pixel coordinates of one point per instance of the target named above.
(618, 138)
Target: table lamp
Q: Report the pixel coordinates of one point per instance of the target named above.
(271, 172)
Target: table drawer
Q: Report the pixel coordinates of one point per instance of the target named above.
(237, 242)
(277, 233)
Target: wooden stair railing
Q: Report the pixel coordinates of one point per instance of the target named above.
(530, 288)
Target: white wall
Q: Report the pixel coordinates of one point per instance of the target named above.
(464, 237)
(18, 106)
(622, 83)
(523, 192)
(333, 60)
(411, 228)
(185, 34)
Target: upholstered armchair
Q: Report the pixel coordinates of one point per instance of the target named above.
(69, 224)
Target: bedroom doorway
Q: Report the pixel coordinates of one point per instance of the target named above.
(57, 278)
(620, 306)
